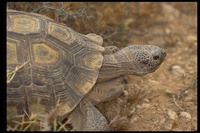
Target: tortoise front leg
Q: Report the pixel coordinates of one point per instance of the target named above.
(106, 91)
(85, 117)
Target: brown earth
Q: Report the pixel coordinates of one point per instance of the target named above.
(165, 100)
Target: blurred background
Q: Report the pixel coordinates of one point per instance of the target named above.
(119, 23)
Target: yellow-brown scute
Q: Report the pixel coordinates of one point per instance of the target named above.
(61, 33)
(96, 38)
(24, 24)
(44, 54)
(93, 61)
(81, 79)
(12, 50)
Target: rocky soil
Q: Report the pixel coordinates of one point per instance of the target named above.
(165, 100)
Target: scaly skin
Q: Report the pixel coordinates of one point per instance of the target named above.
(132, 60)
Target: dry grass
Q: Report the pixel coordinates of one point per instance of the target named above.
(39, 121)
(10, 74)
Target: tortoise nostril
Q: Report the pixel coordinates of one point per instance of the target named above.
(145, 61)
(156, 57)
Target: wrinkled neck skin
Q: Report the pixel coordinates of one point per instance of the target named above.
(113, 66)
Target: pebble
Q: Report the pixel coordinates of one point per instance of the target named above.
(145, 105)
(172, 115)
(186, 115)
(192, 38)
(126, 93)
(178, 70)
(146, 100)
(139, 107)
(168, 31)
(168, 92)
(168, 126)
(162, 120)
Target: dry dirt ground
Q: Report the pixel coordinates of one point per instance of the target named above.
(166, 99)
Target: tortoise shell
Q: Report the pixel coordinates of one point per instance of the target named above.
(60, 64)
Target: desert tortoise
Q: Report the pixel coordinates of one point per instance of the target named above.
(60, 64)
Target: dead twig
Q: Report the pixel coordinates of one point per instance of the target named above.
(176, 103)
(11, 74)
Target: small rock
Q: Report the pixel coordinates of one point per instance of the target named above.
(186, 115)
(132, 111)
(145, 105)
(139, 107)
(172, 115)
(192, 38)
(168, 31)
(168, 126)
(178, 70)
(162, 120)
(168, 92)
(135, 118)
(146, 100)
(126, 94)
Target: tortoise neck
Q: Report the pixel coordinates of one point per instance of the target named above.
(112, 67)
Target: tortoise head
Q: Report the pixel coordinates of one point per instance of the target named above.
(136, 60)
(142, 59)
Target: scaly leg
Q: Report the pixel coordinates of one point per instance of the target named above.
(110, 50)
(86, 117)
(106, 90)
